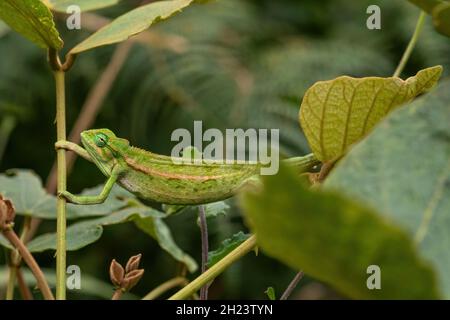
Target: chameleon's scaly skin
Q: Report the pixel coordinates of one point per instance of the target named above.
(155, 177)
(163, 181)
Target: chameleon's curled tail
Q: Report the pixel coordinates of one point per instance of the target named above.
(303, 164)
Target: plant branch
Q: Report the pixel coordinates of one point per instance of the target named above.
(205, 248)
(166, 286)
(14, 267)
(61, 186)
(411, 45)
(11, 236)
(292, 285)
(117, 294)
(216, 269)
(23, 287)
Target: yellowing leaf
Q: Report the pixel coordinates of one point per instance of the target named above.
(33, 20)
(132, 23)
(337, 113)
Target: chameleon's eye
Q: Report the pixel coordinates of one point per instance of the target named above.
(101, 140)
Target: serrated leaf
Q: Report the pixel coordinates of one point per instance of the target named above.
(270, 293)
(441, 18)
(338, 113)
(33, 20)
(26, 191)
(132, 23)
(403, 168)
(85, 5)
(159, 231)
(226, 247)
(83, 233)
(335, 240)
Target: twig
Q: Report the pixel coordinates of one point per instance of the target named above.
(117, 294)
(11, 236)
(23, 287)
(61, 186)
(215, 270)
(166, 286)
(205, 248)
(292, 286)
(411, 45)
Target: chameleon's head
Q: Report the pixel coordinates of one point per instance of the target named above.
(104, 148)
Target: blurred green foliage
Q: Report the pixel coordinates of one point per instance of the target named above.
(247, 64)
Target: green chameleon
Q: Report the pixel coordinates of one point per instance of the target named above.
(158, 178)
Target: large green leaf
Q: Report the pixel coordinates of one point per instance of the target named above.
(132, 23)
(25, 190)
(335, 240)
(83, 233)
(85, 5)
(33, 20)
(403, 168)
(337, 113)
(158, 230)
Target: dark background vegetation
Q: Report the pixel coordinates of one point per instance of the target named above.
(248, 63)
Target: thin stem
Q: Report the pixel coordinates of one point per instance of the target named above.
(411, 45)
(14, 268)
(11, 282)
(117, 294)
(215, 270)
(32, 264)
(164, 287)
(61, 185)
(205, 248)
(292, 286)
(23, 287)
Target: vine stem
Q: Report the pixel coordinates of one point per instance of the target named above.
(32, 264)
(166, 286)
(117, 294)
(62, 185)
(14, 269)
(216, 269)
(205, 248)
(412, 44)
(292, 285)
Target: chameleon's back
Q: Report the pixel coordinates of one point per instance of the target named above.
(158, 178)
